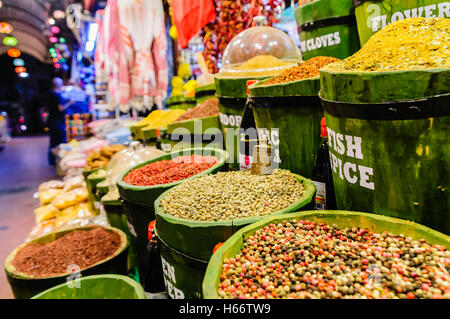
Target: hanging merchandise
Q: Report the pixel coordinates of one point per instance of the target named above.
(132, 53)
(233, 17)
(190, 17)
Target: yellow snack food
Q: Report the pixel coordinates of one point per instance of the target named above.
(45, 213)
(48, 195)
(71, 198)
(73, 214)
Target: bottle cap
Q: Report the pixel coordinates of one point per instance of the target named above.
(323, 128)
(250, 82)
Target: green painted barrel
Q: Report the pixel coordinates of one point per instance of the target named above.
(202, 132)
(374, 15)
(232, 95)
(102, 188)
(96, 287)
(180, 102)
(25, 286)
(139, 200)
(327, 28)
(388, 141)
(205, 92)
(182, 274)
(289, 114)
(92, 180)
(194, 241)
(373, 222)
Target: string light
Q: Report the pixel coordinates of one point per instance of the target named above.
(14, 53)
(20, 69)
(18, 62)
(11, 41)
(5, 27)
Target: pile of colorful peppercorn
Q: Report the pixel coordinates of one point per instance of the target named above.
(232, 195)
(304, 259)
(168, 171)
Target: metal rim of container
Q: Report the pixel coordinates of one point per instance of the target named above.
(433, 106)
(286, 101)
(313, 25)
(357, 3)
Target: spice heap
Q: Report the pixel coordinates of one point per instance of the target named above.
(305, 70)
(231, 195)
(257, 66)
(415, 43)
(168, 171)
(304, 259)
(100, 159)
(207, 108)
(82, 247)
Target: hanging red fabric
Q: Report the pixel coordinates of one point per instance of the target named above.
(190, 17)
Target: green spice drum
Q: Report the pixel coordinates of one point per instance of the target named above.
(327, 28)
(289, 114)
(26, 286)
(388, 147)
(138, 201)
(374, 15)
(187, 244)
(342, 219)
(96, 287)
(205, 92)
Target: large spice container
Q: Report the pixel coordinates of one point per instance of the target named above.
(327, 28)
(205, 92)
(388, 120)
(138, 201)
(25, 285)
(180, 102)
(338, 283)
(256, 53)
(96, 287)
(374, 15)
(198, 127)
(287, 110)
(188, 236)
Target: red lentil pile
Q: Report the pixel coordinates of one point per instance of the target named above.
(168, 171)
(82, 247)
(209, 107)
(303, 259)
(308, 69)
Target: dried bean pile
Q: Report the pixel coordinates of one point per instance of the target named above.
(168, 171)
(82, 248)
(304, 70)
(231, 195)
(415, 43)
(210, 107)
(304, 259)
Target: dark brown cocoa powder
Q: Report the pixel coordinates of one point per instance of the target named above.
(82, 248)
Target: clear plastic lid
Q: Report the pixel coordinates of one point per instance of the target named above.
(133, 155)
(259, 51)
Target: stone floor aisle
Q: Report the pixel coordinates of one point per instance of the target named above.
(23, 166)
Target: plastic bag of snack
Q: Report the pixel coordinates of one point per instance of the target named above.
(42, 228)
(54, 184)
(70, 198)
(74, 182)
(76, 215)
(49, 195)
(45, 212)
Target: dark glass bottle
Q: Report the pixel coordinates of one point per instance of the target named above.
(322, 176)
(248, 136)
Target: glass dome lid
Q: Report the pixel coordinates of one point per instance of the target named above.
(260, 51)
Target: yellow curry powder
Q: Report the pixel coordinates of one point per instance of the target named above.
(260, 65)
(415, 43)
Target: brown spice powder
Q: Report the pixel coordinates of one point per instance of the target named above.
(305, 70)
(82, 248)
